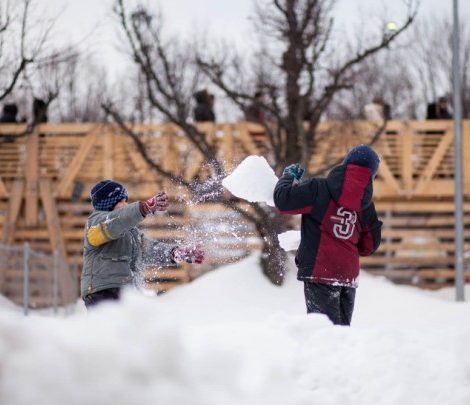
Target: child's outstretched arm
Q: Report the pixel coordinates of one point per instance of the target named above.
(371, 234)
(105, 226)
(291, 198)
(155, 251)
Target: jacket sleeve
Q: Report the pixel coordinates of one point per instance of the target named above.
(155, 252)
(371, 233)
(293, 199)
(106, 226)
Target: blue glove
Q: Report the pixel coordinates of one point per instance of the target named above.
(294, 171)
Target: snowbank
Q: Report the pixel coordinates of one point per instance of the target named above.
(230, 337)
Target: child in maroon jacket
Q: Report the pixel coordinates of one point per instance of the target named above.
(339, 224)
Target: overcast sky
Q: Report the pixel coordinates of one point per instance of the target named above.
(90, 22)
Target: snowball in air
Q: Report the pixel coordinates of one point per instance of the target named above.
(253, 180)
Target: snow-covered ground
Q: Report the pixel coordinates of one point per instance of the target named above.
(231, 337)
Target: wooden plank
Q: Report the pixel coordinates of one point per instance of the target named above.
(466, 155)
(246, 140)
(410, 261)
(389, 179)
(407, 160)
(32, 177)
(14, 205)
(108, 153)
(434, 162)
(160, 287)
(65, 183)
(418, 206)
(57, 240)
(228, 145)
(167, 274)
(3, 189)
(171, 161)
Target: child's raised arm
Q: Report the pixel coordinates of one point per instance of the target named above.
(293, 199)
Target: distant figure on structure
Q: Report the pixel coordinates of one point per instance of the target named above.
(9, 113)
(378, 110)
(439, 110)
(255, 111)
(339, 224)
(204, 111)
(39, 110)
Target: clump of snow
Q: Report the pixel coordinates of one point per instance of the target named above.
(231, 337)
(253, 180)
(289, 240)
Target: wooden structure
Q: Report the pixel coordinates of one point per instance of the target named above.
(45, 178)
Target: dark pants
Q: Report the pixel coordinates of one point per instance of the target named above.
(335, 301)
(110, 294)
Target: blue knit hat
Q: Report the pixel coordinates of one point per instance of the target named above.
(106, 194)
(363, 155)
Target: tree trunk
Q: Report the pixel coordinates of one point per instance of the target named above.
(273, 258)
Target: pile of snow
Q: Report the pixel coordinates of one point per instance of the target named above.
(231, 337)
(253, 180)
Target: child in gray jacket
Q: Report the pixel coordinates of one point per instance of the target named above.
(113, 245)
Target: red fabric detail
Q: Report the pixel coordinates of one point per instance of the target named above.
(304, 210)
(366, 244)
(355, 182)
(337, 260)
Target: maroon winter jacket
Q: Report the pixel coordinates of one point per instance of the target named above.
(339, 223)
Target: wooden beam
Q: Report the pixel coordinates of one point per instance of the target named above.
(3, 189)
(171, 161)
(246, 140)
(194, 166)
(434, 162)
(57, 240)
(228, 145)
(406, 159)
(14, 205)
(108, 153)
(32, 177)
(9, 225)
(65, 183)
(466, 155)
(387, 176)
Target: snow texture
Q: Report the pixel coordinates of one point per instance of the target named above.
(253, 180)
(289, 240)
(231, 337)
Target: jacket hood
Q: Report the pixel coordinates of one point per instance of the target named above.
(350, 186)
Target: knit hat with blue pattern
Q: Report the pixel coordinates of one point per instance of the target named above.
(363, 155)
(106, 194)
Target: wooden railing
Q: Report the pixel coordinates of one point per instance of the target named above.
(45, 178)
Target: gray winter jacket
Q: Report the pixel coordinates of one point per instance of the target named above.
(113, 247)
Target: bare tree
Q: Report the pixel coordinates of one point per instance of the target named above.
(171, 78)
(431, 55)
(303, 29)
(21, 42)
(79, 83)
(297, 69)
(388, 75)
